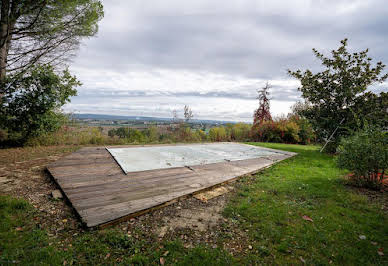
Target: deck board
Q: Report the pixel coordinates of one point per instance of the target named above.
(101, 193)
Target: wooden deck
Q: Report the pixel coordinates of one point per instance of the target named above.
(102, 194)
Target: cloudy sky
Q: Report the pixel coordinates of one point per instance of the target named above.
(151, 57)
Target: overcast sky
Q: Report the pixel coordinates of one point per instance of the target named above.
(151, 57)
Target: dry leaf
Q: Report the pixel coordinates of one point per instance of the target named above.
(166, 253)
(161, 260)
(302, 260)
(380, 251)
(305, 217)
(19, 229)
(107, 256)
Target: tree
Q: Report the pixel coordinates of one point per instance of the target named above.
(43, 31)
(30, 104)
(339, 92)
(175, 118)
(188, 113)
(262, 113)
(35, 36)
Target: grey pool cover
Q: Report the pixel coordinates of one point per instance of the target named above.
(136, 159)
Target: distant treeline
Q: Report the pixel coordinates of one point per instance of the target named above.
(286, 130)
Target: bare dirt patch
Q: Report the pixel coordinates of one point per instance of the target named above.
(23, 175)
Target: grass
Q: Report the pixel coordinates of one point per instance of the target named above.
(272, 206)
(21, 240)
(268, 207)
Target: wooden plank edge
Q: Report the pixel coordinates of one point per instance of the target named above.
(66, 199)
(116, 161)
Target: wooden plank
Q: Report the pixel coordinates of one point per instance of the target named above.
(134, 191)
(101, 193)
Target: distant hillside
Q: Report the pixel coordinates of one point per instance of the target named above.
(141, 118)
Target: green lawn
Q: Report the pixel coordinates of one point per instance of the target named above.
(268, 207)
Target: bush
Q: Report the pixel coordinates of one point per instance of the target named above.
(267, 131)
(240, 132)
(30, 104)
(306, 133)
(291, 130)
(217, 134)
(366, 155)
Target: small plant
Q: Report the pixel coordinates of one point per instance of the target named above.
(366, 155)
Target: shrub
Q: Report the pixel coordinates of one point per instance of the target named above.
(240, 132)
(366, 155)
(267, 131)
(286, 130)
(152, 134)
(201, 135)
(306, 133)
(290, 132)
(30, 104)
(217, 134)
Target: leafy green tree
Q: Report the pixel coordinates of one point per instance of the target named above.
(30, 104)
(36, 35)
(43, 31)
(339, 93)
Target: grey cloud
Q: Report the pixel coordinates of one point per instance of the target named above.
(246, 38)
(277, 93)
(248, 43)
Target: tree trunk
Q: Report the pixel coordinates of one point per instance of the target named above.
(3, 50)
(4, 37)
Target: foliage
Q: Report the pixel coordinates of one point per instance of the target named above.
(44, 31)
(366, 155)
(291, 130)
(201, 135)
(238, 131)
(217, 134)
(262, 113)
(30, 104)
(305, 133)
(152, 134)
(338, 93)
(132, 135)
(267, 131)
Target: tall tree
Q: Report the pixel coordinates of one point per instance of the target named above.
(43, 31)
(262, 113)
(337, 96)
(188, 113)
(35, 36)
